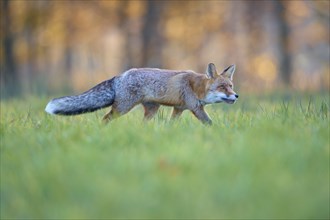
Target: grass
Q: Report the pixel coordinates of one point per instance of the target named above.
(264, 157)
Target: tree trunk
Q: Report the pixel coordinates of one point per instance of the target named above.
(9, 76)
(152, 38)
(284, 57)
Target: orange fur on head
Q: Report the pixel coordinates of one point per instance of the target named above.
(200, 84)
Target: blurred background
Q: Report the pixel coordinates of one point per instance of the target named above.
(53, 47)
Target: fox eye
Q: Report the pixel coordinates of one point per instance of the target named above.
(231, 86)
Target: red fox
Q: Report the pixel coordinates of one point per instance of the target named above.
(153, 87)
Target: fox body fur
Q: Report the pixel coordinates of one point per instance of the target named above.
(151, 87)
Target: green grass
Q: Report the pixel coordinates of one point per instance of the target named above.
(264, 157)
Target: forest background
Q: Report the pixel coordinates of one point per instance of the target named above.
(56, 47)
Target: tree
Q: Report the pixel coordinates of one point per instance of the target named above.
(284, 57)
(151, 37)
(9, 75)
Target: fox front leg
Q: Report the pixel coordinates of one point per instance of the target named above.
(176, 113)
(196, 107)
(200, 113)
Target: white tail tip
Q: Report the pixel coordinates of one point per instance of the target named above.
(50, 108)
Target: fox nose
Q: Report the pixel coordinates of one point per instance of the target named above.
(236, 95)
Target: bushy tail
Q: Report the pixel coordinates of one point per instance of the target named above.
(100, 96)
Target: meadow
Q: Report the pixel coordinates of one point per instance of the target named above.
(264, 157)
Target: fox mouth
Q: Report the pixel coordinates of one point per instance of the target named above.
(229, 101)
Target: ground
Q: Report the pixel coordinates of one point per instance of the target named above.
(264, 157)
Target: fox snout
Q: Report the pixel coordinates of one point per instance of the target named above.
(230, 99)
(234, 95)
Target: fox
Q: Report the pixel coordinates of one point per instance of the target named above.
(152, 87)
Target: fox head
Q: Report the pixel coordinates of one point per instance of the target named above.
(220, 86)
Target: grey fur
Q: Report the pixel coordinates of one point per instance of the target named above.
(100, 96)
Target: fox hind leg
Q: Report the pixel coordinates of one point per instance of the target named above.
(115, 112)
(112, 114)
(150, 110)
(118, 109)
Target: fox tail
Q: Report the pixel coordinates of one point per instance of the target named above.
(100, 96)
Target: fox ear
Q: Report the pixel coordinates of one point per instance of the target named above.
(211, 71)
(229, 72)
